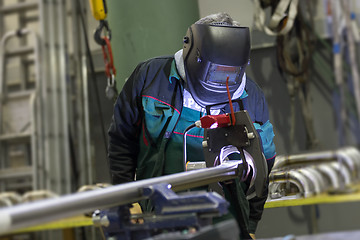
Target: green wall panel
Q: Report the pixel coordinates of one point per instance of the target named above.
(142, 29)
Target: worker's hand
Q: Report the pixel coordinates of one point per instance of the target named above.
(136, 209)
(252, 235)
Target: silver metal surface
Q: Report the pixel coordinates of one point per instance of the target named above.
(306, 158)
(354, 154)
(54, 92)
(9, 199)
(333, 170)
(292, 176)
(313, 179)
(63, 77)
(26, 215)
(343, 172)
(19, 172)
(51, 38)
(81, 124)
(19, 7)
(87, 167)
(17, 108)
(330, 174)
(323, 184)
(350, 156)
(195, 165)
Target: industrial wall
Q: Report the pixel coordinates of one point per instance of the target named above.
(142, 29)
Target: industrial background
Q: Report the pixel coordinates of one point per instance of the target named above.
(55, 107)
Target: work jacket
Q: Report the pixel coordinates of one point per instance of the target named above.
(146, 120)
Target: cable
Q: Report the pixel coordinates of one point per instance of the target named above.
(92, 70)
(230, 102)
(298, 84)
(184, 143)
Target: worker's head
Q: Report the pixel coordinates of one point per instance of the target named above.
(215, 47)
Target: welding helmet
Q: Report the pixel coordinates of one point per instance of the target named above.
(211, 54)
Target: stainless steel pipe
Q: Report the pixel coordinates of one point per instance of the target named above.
(350, 156)
(305, 187)
(30, 214)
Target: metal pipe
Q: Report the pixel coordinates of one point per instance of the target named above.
(34, 153)
(3, 90)
(39, 63)
(19, 172)
(34, 98)
(344, 158)
(87, 171)
(19, 7)
(80, 130)
(2, 98)
(355, 156)
(20, 51)
(314, 186)
(286, 160)
(26, 215)
(274, 191)
(37, 144)
(55, 167)
(46, 99)
(10, 199)
(342, 155)
(315, 180)
(324, 185)
(63, 70)
(298, 179)
(343, 172)
(330, 173)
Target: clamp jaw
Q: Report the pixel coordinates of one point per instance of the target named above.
(187, 215)
(220, 136)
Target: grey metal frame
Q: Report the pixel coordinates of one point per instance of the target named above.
(52, 107)
(34, 102)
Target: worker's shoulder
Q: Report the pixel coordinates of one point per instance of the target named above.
(252, 87)
(156, 69)
(153, 66)
(157, 61)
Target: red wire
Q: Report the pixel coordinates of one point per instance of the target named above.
(108, 58)
(230, 102)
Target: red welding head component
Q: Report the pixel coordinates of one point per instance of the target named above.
(215, 121)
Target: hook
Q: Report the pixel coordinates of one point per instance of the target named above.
(97, 34)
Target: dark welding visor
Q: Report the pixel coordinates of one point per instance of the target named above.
(211, 54)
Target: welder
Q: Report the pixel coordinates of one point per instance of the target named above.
(164, 95)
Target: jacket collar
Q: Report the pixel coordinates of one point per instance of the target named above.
(173, 72)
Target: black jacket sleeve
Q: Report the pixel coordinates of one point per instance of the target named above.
(125, 128)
